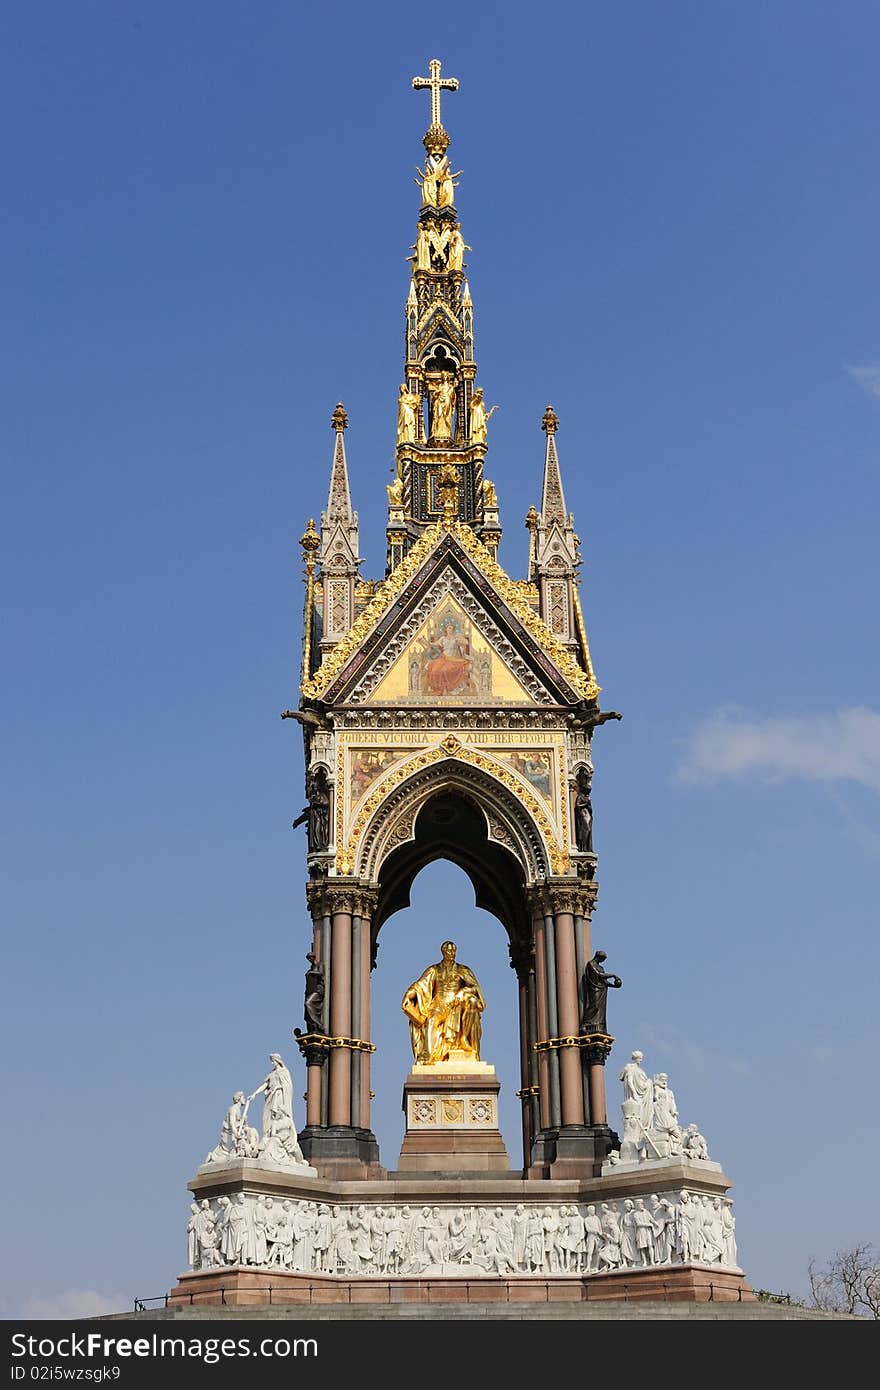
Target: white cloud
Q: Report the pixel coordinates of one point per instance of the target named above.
(842, 745)
(699, 1059)
(868, 377)
(72, 1304)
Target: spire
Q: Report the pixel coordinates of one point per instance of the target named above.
(553, 546)
(338, 553)
(552, 497)
(339, 498)
(442, 416)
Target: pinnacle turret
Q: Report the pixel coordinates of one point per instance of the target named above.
(552, 496)
(339, 499)
(338, 554)
(553, 545)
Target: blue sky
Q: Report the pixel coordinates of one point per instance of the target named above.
(207, 209)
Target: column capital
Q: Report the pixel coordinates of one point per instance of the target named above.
(595, 1048)
(327, 896)
(577, 898)
(313, 1046)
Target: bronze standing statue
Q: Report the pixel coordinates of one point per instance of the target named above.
(313, 1007)
(596, 986)
(583, 812)
(316, 816)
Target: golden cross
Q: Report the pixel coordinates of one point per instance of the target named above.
(435, 82)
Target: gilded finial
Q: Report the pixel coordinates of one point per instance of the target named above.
(531, 518)
(339, 422)
(550, 422)
(310, 540)
(436, 140)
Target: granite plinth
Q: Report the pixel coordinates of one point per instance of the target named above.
(452, 1120)
(235, 1286)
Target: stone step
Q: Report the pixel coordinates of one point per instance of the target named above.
(605, 1310)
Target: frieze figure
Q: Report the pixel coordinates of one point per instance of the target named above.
(593, 1236)
(663, 1215)
(643, 1224)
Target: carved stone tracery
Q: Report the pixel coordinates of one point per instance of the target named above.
(395, 816)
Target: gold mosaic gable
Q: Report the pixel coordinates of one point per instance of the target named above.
(449, 661)
(334, 669)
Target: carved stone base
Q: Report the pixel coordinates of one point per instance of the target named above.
(282, 1237)
(237, 1286)
(576, 1151)
(452, 1121)
(341, 1151)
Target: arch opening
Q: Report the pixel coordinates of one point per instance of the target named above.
(450, 825)
(442, 905)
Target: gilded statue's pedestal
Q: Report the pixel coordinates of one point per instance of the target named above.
(451, 1111)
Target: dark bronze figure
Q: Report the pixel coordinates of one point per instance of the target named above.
(596, 986)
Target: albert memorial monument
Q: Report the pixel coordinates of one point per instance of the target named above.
(447, 711)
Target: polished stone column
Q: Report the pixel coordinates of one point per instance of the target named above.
(340, 1017)
(327, 957)
(524, 1069)
(314, 1059)
(362, 1059)
(598, 1111)
(568, 1016)
(354, 1060)
(543, 1031)
(337, 1137)
(552, 1020)
(581, 939)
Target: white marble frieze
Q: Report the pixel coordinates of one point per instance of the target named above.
(351, 1239)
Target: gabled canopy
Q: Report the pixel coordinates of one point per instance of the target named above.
(449, 626)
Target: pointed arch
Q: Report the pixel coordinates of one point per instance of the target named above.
(509, 821)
